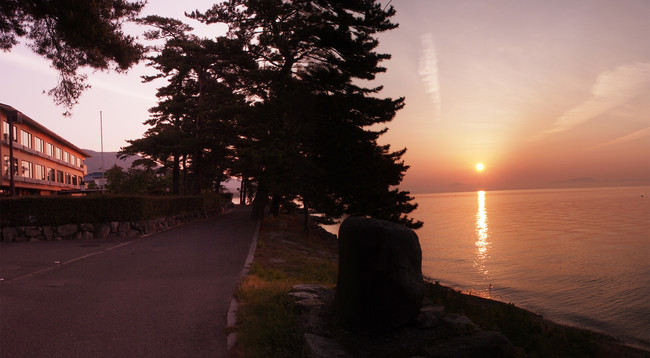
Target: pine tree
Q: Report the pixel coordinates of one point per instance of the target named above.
(196, 112)
(312, 121)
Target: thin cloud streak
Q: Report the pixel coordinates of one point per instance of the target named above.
(612, 89)
(107, 86)
(429, 72)
(27, 61)
(626, 138)
(39, 65)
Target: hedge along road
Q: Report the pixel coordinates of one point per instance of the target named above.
(165, 295)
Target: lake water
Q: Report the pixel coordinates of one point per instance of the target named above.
(577, 256)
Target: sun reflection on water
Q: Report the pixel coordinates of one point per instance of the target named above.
(482, 236)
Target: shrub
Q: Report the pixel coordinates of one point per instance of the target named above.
(58, 210)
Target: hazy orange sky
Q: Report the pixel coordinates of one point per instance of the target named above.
(540, 92)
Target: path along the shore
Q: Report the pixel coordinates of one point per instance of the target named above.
(165, 295)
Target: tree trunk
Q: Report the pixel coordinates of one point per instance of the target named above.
(275, 204)
(198, 151)
(242, 192)
(259, 203)
(185, 186)
(175, 175)
(305, 211)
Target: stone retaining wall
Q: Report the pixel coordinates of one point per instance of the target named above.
(112, 229)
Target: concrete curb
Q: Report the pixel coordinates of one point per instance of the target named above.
(231, 319)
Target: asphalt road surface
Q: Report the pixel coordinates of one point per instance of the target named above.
(165, 295)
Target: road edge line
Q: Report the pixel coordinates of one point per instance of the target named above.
(57, 265)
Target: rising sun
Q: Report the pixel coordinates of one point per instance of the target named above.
(480, 167)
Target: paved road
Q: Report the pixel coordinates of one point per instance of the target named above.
(165, 295)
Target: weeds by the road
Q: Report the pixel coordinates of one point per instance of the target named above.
(285, 256)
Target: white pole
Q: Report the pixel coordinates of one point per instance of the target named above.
(101, 133)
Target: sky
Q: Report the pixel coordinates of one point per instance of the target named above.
(543, 93)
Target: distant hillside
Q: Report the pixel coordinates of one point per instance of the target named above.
(94, 163)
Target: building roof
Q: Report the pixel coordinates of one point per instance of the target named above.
(25, 119)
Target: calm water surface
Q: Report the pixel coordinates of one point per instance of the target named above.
(577, 256)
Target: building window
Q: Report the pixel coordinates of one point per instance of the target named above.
(68, 178)
(6, 165)
(59, 153)
(51, 174)
(79, 162)
(28, 169)
(5, 131)
(26, 139)
(59, 176)
(66, 157)
(74, 180)
(39, 144)
(49, 149)
(39, 172)
(73, 159)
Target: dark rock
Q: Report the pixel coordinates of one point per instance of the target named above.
(426, 321)
(87, 235)
(76, 236)
(306, 300)
(115, 226)
(124, 227)
(9, 234)
(458, 323)
(66, 230)
(311, 288)
(486, 344)
(87, 227)
(48, 233)
(159, 224)
(321, 347)
(149, 226)
(380, 285)
(309, 296)
(318, 322)
(140, 226)
(437, 311)
(314, 302)
(33, 231)
(429, 316)
(102, 230)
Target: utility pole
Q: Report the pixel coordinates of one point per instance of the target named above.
(12, 117)
(101, 134)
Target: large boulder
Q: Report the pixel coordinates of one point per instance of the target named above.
(380, 285)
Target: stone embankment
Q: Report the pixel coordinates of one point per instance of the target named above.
(86, 231)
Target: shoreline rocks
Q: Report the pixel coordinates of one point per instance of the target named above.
(436, 332)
